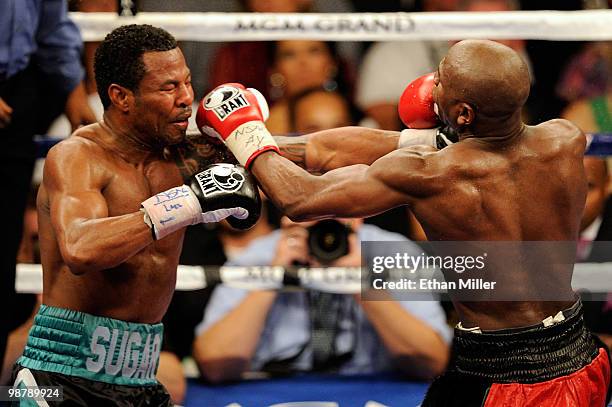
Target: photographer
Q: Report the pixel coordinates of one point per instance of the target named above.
(303, 331)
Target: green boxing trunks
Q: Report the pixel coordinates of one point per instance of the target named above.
(95, 360)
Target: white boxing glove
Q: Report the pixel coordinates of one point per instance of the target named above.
(435, 137)
(179, 207)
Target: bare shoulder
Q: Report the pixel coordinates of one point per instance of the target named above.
(416, 167)
(81, 141)
(561, 127)
(77, 158)
(75, 146)
(562, 123)
(430, 159)
(564, 134)
(413, 157)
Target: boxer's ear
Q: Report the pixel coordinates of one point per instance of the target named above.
(119, 97)
(466, 115)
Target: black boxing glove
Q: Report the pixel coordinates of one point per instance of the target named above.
(220, 191)
(228, 186)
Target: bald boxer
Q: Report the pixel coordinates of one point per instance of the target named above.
(113, 207)
(502, 181)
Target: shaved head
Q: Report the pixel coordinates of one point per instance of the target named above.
(491, 77)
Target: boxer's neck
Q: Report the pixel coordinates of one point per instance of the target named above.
(129, 143)
(496, 131)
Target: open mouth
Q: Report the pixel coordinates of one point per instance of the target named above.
(182, 121)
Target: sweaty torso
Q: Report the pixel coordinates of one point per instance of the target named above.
(139, 289)
(530, 190)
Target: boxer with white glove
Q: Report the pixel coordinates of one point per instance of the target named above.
(418, 112)
(220, 191)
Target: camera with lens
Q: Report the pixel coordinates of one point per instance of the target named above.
(328, 240)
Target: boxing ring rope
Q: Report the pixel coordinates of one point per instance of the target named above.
(582, 25)
(593, 277)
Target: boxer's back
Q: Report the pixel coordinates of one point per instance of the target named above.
(531, 189)
(138, 289)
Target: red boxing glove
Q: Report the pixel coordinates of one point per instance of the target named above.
(416, 105)
(235, 115)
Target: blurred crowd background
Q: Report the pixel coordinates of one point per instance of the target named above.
(223, 333)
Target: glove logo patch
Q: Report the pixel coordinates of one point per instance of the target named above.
(225, 100)
(220, 178)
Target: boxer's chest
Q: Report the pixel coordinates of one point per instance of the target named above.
(130, 185)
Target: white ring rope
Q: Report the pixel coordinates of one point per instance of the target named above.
(582, 25)
(593, 277)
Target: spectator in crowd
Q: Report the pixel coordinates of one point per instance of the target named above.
(588, 73)
(227, 64)
(315, 109)
(39, 78)
(593, 114)
(594, 246)
(286, 332)
(596, 222)
(300, 65)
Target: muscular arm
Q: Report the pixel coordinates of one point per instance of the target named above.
(330, 149)
(318, 152)
(399, 178)
(88, 238)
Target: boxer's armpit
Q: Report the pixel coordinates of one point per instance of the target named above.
(197, 152)
(293, 148)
